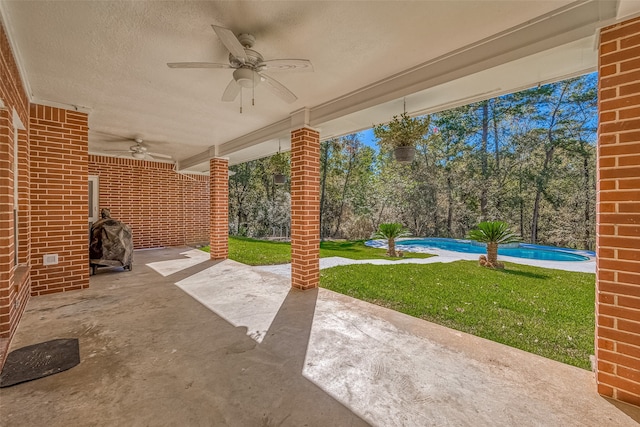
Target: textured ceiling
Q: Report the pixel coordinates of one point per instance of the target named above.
(109, 58)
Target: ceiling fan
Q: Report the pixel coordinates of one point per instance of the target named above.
(140, 152)
(249, 66)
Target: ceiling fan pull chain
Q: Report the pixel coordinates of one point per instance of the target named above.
(240, 101)
(253, 90)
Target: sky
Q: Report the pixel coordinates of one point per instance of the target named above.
(367, 138)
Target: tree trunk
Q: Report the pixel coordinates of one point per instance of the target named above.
(449, 205)
(498, 200)
(483, 158)
(587, 204)
(492, 253)
(520, 201)
(521, 206)
(534, 217)
(392, 247)
(496, 139)
(436, 218)
(541, 184)
(345, 188)
(323, 181)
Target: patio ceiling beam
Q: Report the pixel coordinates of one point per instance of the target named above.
(196, 160)
(278, 129)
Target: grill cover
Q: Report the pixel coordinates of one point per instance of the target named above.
(111, 241)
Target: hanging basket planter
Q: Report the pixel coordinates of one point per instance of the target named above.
(279, 178)
(401, 135)
(404, 154)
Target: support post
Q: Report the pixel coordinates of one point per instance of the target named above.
(618, 214)
(219, 212)
(305, 208)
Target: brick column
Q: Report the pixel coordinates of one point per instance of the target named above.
(618, 214)
(305, 208)
(219, 212)
(59, 198)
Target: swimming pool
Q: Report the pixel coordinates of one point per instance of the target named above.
(518, 250)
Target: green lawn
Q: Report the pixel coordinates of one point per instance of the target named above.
(542, 311)
(264, 252)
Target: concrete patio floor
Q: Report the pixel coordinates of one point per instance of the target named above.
(182, 340)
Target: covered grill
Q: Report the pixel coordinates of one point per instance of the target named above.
(111, 244)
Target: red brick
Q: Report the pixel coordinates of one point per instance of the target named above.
(608, 70)
(619, 103)
(619, 149)
(620, 30)
(620, 288)
(305, 180)
(605, 390)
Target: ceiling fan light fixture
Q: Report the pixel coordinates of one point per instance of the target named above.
(138, 155)
(246, 77)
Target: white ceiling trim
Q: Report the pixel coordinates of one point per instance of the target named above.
(61, 105)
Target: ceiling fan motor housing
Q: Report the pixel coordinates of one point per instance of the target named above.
(253, 59)
(246, 77)
(138, 148)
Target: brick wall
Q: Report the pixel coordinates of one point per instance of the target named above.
(163, 208)
(219, 183)
(305, 208)
(14, 282)
(618, 214)
(59, 199)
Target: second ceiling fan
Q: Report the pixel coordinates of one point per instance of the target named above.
(249, 66)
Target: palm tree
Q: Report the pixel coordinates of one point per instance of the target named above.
(493, 233)
(391, 231)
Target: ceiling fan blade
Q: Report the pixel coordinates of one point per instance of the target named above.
(231, 92)
(161, 156)
(299, 65)
(230, 41)
(196, 65)
(278, 88)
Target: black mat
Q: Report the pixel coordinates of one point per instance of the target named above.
(40, 360)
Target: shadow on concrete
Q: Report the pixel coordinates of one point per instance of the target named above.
(632, 411)
(275, 377)
(190, 271)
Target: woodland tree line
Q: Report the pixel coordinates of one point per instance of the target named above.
(527, 158)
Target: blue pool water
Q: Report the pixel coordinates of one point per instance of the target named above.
(521, 250)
